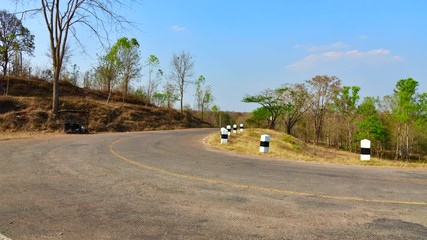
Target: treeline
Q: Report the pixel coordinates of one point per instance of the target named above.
(119, 67)
(322, 111)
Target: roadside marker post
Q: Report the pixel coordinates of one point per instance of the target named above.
(365, 150)
(224, 136)
(235, 128)
(264, 144)
(229, 130)
(241, 127)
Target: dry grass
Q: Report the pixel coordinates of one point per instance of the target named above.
(28, 109)
(32, 114)
(283, 146)
(5, 136)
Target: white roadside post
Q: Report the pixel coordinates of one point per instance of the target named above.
(241, 127)
(264, 143)
(365, 150)
(229, 130)
(235, 128)
(224, 136)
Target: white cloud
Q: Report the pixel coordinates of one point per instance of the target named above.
(322, 48)
(177, 28)
(375, 55)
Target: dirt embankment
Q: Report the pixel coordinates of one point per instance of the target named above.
(28, 108)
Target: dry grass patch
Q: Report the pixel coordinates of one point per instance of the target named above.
(284, 146)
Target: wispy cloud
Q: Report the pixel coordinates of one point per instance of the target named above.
(322, 48)
(177, 28)
(375, 55)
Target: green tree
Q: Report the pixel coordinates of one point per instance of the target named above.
(345, 105)
(14, 38)
(159, 99)
(260, 117)
(272, 102)
(107, 72)
(153, 64)
(421, 124)
(405, 113)
(217, 115)
(171, 95)
(203, 95)
(371, 125)
(125, 53)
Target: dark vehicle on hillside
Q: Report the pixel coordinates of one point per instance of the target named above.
(75, 121)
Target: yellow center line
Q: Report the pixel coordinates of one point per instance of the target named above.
(254, 187)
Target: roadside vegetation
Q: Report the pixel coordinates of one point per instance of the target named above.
(27, 108)
(287, 147)
(122, 92)
(323, 112)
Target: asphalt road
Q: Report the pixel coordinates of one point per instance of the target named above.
(169, 185)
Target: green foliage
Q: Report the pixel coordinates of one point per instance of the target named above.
(159, 99)
(397, 121)
(422, 110)
(271, 102)
(345, 101)
(14, 38)
(203, 94)
(371, 126)
(124, 55)
(406, 99)
(260, 117)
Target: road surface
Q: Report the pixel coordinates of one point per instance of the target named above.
(169, 185)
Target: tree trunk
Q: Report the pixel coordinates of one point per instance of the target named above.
(6, 61)
(288, 128)
(55, 95)
(109, 96)
(7, 86)
(398, 150)
(202, 112)
(272, 124)
(407, 152)
(181, 100)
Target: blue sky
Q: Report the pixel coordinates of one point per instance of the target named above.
(244, 47)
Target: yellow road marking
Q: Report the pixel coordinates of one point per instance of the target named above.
(244, 186)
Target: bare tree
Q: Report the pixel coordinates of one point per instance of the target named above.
(323, 89)
(294, 99)
(63, 18)
(182, 68)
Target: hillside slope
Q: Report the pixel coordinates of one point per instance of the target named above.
(28, 104)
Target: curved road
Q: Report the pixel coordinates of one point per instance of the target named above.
(169, 185)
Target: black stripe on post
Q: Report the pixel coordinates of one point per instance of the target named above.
(224, 136)
(365, 151)
(264, 144)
